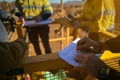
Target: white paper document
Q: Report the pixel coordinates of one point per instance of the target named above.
(34, 23)
(68, 54)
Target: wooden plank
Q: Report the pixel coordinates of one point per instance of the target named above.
(40, 63)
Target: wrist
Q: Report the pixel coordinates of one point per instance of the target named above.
(103, 73)
(103, 46)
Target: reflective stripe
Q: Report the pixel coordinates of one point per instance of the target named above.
(31, 6)
(105, 12)
(46, 6)
(108, 12)
(36, 7)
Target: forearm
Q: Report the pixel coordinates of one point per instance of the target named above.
(103, 46)
(111, 44)
(20, 45)
(46, 15)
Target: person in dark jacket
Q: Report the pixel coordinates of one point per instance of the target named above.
(92, 64)
(11, 54)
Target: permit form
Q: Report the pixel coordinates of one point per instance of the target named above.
(68, 54)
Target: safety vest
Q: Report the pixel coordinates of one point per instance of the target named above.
(32, 8)
(98, 15)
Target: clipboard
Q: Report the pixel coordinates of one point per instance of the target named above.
(33, 23)
(69, 53)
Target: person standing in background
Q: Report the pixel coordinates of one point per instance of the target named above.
(98, 15)
(37, 10)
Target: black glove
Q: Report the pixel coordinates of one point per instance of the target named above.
(19, 14)
(108, 74)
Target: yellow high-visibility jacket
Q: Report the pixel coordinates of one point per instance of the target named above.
(32, 8)
(98, 15)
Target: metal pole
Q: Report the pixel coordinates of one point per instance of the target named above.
(61, 6)
(62, 30)
(73, 7)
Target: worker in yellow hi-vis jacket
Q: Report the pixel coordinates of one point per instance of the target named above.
(36, 10)
(97, 15)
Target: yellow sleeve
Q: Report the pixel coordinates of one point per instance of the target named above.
(17, 2)
(20, 1)
(108, 15)
(86, 15)
(47, 6)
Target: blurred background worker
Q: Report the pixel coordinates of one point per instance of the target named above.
(37, 10)
(97, 15)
